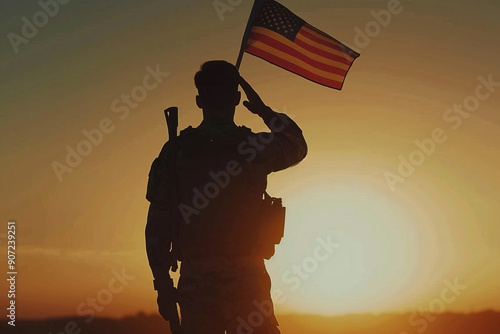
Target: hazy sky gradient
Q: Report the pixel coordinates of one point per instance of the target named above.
(396, 247)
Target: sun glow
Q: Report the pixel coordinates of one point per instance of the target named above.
(373, 260)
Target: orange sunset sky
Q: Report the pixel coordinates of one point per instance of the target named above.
(399, 244)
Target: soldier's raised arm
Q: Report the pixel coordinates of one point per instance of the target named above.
(285, 146)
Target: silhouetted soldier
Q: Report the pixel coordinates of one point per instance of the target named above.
(221, 176)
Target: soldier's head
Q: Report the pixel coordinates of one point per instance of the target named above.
(217, 83)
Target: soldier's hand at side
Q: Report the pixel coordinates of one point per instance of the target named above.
(167, 303)
(254, 102)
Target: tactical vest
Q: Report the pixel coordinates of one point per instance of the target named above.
(219, 193)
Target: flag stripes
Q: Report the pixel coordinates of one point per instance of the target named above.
(311, 53)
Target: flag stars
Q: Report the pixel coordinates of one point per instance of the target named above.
(278, 18)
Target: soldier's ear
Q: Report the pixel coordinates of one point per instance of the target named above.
(237, 98)
(199, 103)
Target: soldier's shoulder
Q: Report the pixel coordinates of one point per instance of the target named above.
(184, 136)
(187, 131)
(189, 135)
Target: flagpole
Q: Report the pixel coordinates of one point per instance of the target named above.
(257, 5)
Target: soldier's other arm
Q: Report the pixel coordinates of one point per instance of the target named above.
(287, 146)
(158, 227)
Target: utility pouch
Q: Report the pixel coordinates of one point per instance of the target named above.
(272, 225)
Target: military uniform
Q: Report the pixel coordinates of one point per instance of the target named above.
(221, 171)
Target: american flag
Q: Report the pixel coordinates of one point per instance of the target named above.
(284, 39)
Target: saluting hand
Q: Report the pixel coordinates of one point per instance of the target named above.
(254, 102)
